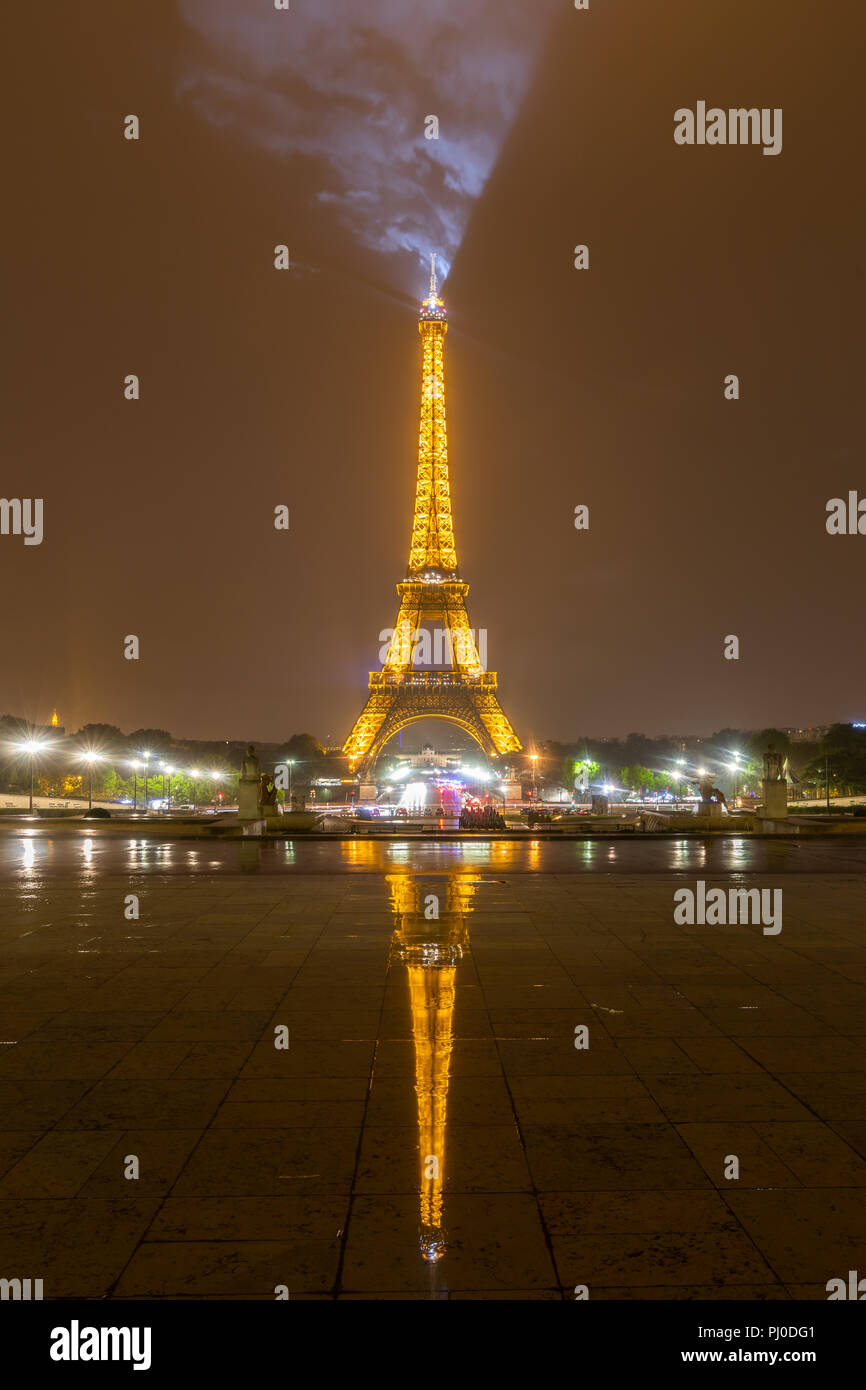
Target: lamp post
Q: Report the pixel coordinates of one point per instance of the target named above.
(135, 766)
(534, 759)
(146, 757)
(32, 747)
(826, 777)
(194, 774)
(90, 758)
(168, 771)
(215, 779)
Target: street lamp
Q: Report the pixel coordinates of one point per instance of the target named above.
(146, 757)
(194, 774)
(534, 760)
(31, 746)
(215, 777)
(90, 758)
(168, 771)
(135, 764)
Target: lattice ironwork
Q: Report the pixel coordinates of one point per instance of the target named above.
(431, 594)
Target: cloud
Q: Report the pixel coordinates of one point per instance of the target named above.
(347, 84)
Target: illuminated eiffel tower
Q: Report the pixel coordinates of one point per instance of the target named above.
(431, 596)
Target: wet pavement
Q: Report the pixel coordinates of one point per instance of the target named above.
(431, 1129)
(83, 852)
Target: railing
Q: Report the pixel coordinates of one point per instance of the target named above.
(433, 679)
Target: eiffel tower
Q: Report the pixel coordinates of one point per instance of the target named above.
(431, 595)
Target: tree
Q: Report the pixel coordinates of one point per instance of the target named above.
(843, 754)
(149, 741)
(757, 744)
(100, 736)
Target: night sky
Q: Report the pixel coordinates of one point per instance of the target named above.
(603, 387)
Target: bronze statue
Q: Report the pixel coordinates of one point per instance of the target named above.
(267, 791)
(708, 791)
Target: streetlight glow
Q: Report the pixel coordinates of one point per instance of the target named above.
(90, 757)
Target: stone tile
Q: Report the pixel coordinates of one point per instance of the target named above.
(697, 1293)
(278, 1162)
(477, 1158)
(731, 1097)
(759, 1164)
(809, 1054)
(717, 1055)
(161, 1156)
(494, 1242)
(288, 1089)
(807, 1236)
(840, 1096)
(78, 1246)
(476, 1100)
(817, 1156)
(222, 1026)
(251, 1219)
(58, 1166)
(211, 1061)
(468, 1057)
(600, 1213)
(14, 1144)
(577, 1157)
(712, 1259)
(61, 1059)
(650, 1056)
(36, 1104)
(306, 1114)
(92, 1027)
(310, 1059)
(559, 1057)
(150, 1060)
(229, 1269)
(159, 1042)
(146, 1104)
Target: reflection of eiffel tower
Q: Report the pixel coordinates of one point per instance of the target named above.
(431, 948)
(432, 595)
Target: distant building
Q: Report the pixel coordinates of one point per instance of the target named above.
(428, 757)
(813, 735)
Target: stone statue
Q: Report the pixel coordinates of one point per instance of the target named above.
(250, 767)
(775, 786)
(249, 787)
